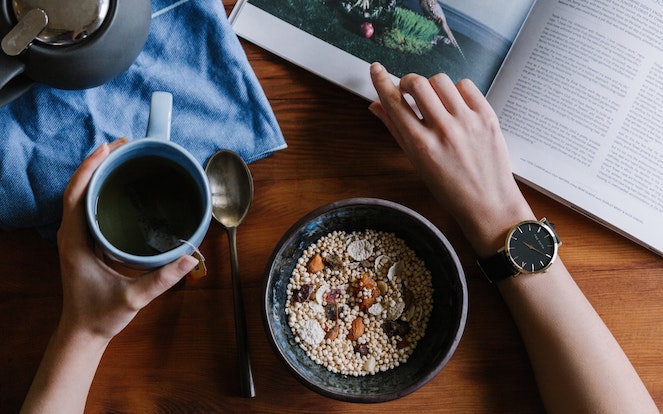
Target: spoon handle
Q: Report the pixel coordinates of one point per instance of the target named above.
(245, 375)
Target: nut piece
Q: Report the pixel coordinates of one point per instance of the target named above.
(395, 270)
(357, 329)
(360, 250)
(311, 332)
(367, 282)
(366, 304)
(384, 288)
(321, 292)
(316, 264)
(370, 363)
(332, 333)
(375, 309)
(334, 261)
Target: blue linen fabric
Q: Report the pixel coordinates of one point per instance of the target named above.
(191, 52)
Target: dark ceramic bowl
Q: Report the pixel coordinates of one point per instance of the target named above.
(446, 323)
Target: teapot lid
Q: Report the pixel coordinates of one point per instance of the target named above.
(69, 21)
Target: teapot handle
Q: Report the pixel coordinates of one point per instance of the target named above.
(13, 83)
(161, 109)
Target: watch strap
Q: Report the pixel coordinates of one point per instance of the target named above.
(497, 267)
(552, 227)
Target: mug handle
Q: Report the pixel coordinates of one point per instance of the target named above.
(161, 110)
(13, 83)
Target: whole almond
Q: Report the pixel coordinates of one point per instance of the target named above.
(332, 333)
(357, 329)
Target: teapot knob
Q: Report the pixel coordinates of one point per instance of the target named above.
(25, 31)
(69, 21)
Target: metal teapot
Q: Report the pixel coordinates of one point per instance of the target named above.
(68, 44)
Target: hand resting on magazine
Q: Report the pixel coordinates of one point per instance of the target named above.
(459, 149)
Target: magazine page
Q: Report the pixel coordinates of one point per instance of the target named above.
(579, 103)
(338, 39)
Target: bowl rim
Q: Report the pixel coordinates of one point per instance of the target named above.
(453, 257)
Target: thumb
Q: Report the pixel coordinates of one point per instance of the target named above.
(152, 284)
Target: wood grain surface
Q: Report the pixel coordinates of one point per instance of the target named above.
(178, 355)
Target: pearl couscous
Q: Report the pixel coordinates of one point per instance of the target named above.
(359, 302)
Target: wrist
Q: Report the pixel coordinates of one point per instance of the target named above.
(66, 371)
(489, 233)
(81, 338)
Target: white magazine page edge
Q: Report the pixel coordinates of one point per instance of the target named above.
(295, 45)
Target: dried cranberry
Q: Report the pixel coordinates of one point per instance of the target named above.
(361, 349)
(304, 293)
(333, 295)
(331, 311)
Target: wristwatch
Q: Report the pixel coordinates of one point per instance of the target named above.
(531, 247)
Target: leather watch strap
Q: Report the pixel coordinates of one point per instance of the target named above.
(497, 267)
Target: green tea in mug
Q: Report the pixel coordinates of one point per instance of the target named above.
(148, 205)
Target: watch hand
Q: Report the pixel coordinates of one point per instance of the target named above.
(533, 248)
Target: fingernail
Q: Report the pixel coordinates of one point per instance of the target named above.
(376, 68)
(118, 142)
(99, 150)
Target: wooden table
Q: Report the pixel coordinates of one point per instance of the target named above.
(179, 354)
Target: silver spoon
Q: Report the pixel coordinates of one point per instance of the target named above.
(232, 191)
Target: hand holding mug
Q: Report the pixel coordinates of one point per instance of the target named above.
(149, 202)
(96, 298)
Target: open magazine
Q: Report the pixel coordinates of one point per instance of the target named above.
(577, 85)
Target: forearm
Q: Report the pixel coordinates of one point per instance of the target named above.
(456, 143)
(578, 364)
(65, 374)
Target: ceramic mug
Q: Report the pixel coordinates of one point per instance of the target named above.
(149, 202)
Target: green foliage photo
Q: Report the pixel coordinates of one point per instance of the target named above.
(410, 32)
(403, 40)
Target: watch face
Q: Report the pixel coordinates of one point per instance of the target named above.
(531, 247)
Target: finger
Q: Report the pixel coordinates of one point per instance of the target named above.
(79, 180)
(150, 285)
(474, 98)
(73, 223)
(72, 228)
(448, 93)
(393, 102)
(426, 97)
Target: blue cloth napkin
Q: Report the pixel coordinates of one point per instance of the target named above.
(192, 53)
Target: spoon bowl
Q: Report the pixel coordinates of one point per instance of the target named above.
(231, 185)
(232, 188)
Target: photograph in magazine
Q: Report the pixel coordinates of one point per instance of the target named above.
(465, 39)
